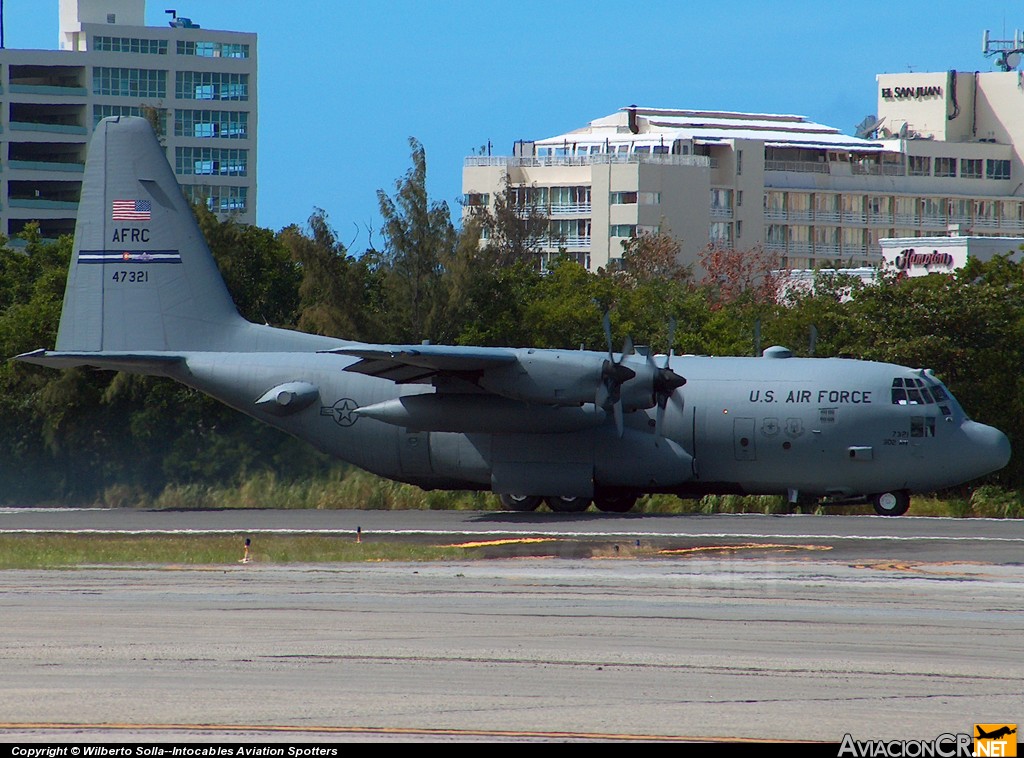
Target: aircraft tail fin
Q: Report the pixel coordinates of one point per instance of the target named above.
(141, 275)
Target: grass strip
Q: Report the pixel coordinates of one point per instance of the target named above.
(41, 551)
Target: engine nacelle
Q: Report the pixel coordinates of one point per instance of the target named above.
(547, 377)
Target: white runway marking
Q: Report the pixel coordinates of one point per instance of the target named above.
(506, 532)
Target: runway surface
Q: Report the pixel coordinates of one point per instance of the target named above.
(883, 628)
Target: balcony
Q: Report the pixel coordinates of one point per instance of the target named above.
(721, 213)
(830, 216)
(598, 159)
(48, 89)
(78, 168)
(883, 169)
(853, 217)
(25, 126)
(570, 209)
(569, 243)
(46, 205)
(804, 167)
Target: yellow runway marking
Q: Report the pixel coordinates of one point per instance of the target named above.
(493, 543)
(745, 546)
(382, 730)
(928, 569)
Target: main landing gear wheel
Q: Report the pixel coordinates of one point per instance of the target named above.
(891, 503)
(615, 503)
(562, 504)
(520, 502)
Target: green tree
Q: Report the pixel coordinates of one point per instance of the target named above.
(257, 268)
(419, 239)
(653, 257)
(335, 288)
(514, 230)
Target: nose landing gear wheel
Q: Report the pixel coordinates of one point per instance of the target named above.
(562, 504)
(520, 502)
(891, 503)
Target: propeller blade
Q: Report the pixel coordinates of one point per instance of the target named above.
(671, 341)
(659, 419)
(607, 322)
(618, 418)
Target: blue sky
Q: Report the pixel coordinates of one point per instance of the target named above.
(343, 85)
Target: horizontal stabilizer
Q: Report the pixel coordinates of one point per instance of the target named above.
(411, 363)
(136, 363)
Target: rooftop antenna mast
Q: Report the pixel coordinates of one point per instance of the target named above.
(1007, 52)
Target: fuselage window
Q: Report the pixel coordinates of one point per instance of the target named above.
(922, 426)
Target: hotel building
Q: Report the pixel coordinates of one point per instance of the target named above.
(200, 84)
(943, 156)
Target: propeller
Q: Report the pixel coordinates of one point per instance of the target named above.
(666, 381)
(613, 376)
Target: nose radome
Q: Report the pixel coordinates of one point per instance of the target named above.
(988, 449)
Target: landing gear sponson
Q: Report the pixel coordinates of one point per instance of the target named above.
(562, 504)
(894, 503)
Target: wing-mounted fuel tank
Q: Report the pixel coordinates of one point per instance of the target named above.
(472, 413)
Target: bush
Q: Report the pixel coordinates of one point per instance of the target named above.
(994, 502)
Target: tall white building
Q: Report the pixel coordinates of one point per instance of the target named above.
(201, 83)
(944, 155)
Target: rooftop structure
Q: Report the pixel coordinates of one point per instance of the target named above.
(198, 85)
(943, 155)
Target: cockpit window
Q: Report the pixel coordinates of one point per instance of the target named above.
(909, 391)
(914, 391)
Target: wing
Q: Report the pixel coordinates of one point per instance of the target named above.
(410, 364)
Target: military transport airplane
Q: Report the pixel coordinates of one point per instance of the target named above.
(566, 427)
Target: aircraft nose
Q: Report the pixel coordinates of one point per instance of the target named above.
(987, 448)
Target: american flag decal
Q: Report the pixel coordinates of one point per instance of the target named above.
(132, 210)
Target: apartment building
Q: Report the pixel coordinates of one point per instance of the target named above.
(200, 85)
(943, 155)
